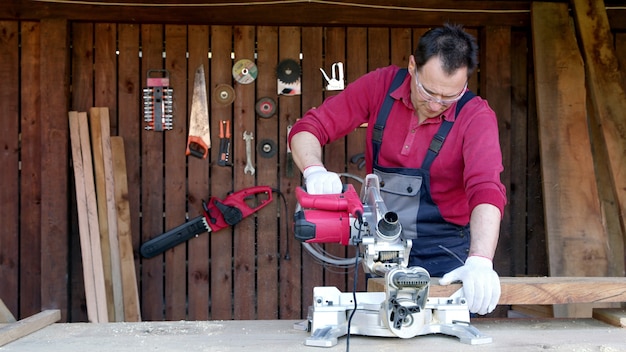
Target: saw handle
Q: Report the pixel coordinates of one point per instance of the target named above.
(348, 200)
(221, 213)
(196, 147)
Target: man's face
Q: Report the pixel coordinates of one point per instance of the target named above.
(433, 90)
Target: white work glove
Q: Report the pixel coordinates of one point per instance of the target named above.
(481, 284)
(319, 181)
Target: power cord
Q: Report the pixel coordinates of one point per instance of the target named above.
(357, 243)
(354, 287)
(284, 216)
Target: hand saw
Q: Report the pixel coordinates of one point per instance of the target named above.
(217, 214)
(199, 140)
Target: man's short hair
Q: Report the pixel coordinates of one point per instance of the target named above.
(455, 47)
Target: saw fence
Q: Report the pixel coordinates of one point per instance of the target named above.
(256, 269)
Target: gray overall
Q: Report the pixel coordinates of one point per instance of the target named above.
(438, 246)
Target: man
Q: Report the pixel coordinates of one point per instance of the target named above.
(439, 166)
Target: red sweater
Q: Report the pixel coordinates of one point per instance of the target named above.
(465, 173)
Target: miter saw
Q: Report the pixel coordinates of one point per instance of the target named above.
(404, 310)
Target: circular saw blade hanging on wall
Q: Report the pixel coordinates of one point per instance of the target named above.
(224, 94)
(288, 71)
(245, 71)
(266, 107)
(288, 74)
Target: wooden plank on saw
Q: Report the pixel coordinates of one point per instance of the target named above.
(577, 242)
(124, 229)
(540, 290)
(29, 325)
(87, 218)
(608, 99)
(101, 201)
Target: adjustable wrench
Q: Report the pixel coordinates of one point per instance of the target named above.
(248, 137)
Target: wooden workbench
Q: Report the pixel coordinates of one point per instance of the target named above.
(508, 335)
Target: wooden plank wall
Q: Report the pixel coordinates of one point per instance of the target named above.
(255, 270)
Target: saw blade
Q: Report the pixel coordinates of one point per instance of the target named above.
(224, 94)
(266, 107)
(245, 71)
(288, 71)
(267, 148)
(199, 140)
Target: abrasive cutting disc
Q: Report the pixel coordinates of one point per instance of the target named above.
(288, 71)
(224, 94)
(265, 107)
(267, 148)
(245, 71)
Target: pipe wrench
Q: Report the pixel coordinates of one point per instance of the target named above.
(336, 81)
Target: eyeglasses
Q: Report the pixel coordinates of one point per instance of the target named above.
(431, 99)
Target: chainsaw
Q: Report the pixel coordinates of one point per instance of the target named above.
(216, 215)
(404, 309)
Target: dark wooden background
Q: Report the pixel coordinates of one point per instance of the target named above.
(255, 270)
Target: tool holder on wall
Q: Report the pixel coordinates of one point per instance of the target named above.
(158, 102)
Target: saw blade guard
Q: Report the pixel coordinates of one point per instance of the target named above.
(406, 292)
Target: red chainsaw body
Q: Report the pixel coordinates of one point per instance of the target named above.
(237, 203)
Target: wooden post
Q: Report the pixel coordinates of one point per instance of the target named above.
(608, 100)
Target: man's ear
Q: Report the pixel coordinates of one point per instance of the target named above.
(411, 66)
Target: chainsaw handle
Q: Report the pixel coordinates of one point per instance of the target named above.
(238, 199)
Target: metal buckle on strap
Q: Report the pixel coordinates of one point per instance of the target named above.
(436, 143)
(377, 133)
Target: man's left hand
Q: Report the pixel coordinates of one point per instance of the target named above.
(481, 284)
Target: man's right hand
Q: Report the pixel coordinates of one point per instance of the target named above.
(318, 180)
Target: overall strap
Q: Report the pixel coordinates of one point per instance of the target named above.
(437, 142)
(383, 114)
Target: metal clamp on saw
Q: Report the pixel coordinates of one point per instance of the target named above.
(404, 310)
